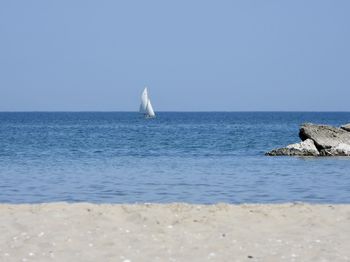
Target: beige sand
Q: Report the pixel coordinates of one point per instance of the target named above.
(175, 232)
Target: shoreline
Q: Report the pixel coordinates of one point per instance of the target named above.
(174, 232)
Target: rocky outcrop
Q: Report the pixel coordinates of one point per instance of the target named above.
(346, 127)
(304, 148)
(324, 136)
(318, 140)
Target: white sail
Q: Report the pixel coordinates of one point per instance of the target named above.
(144, 101)
(150, 111)
(146, 106)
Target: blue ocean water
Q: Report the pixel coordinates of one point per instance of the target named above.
(177, 157)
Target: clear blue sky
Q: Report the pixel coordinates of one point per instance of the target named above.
(194, 55)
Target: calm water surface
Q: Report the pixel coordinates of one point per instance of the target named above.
(182, 157)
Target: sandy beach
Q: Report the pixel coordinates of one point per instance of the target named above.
(174, 232)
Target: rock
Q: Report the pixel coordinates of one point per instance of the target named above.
(346, 127)
(305, 148)
(325, 137)
(318, 140)
(339, 150)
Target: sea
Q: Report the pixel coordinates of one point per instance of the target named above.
(192, 157)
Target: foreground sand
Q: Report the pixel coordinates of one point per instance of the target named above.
(174, 232)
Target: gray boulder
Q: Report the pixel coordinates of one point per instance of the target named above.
(346, 127)
(325, 137)
(339, 150)
(305, 148)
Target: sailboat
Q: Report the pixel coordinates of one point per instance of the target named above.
(146, 107)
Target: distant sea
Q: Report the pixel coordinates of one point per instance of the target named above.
(177, 157)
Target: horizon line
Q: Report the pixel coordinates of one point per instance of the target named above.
(175, 111)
